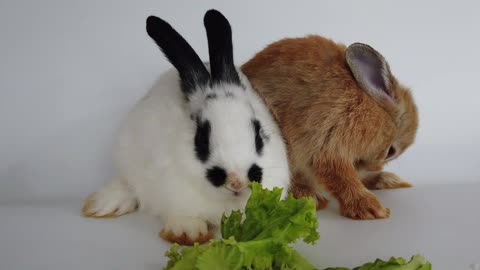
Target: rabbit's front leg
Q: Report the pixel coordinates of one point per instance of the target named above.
(186, 230)
(341, 181)
(302, 187)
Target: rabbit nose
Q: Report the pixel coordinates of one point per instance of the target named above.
(234, 183)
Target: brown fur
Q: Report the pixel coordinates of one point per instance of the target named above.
(383, 180)
(184, 239)
(332, 127)
(300, 189)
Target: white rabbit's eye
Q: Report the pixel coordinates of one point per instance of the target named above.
(391, 152)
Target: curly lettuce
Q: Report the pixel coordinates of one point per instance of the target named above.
(416, 263)
(261, 239)
(258, 239)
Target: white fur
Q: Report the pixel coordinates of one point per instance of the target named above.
(191, 226)
(115, 198)
(155, 154)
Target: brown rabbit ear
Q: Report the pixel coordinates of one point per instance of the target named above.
(371, 71)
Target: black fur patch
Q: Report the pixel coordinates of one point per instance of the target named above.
(258, 136)
(192, 71)
(217, 176)
(202, 140)
(220, 48)
(255, 173)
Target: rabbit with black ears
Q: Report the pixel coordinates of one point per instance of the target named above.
(188, 150)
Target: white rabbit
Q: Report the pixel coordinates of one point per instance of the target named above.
(189, 149)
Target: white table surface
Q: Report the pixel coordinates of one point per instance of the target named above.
(441, 222)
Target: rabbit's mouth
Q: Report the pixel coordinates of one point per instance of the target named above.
(238, 194)
(236, 185)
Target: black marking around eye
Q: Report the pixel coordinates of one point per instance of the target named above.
(258, 136)
(217, 176)
(202, 140)
(255, 173)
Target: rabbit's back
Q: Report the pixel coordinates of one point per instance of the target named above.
(317, 100)
(154, 127)
(154, 148)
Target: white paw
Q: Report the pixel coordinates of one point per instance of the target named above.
(193, 228)
(112, 201)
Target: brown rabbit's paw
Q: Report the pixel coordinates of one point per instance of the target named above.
(304, 191)
(186, 231)
(322, 202)
(364, 208)
(105, 205)
(386, 180)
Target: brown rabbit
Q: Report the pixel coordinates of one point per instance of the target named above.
(343, 115)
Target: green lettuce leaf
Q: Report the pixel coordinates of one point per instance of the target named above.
(416, 263)
(184, 259)
(290, 259)
(266, 216)
(258, 255)
(231, 225)
(220, 255)
(259, 240)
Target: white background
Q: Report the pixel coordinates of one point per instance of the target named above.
(70, 70)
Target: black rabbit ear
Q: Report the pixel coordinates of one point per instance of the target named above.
(371, 71)
(193, 73)
(219, 34)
